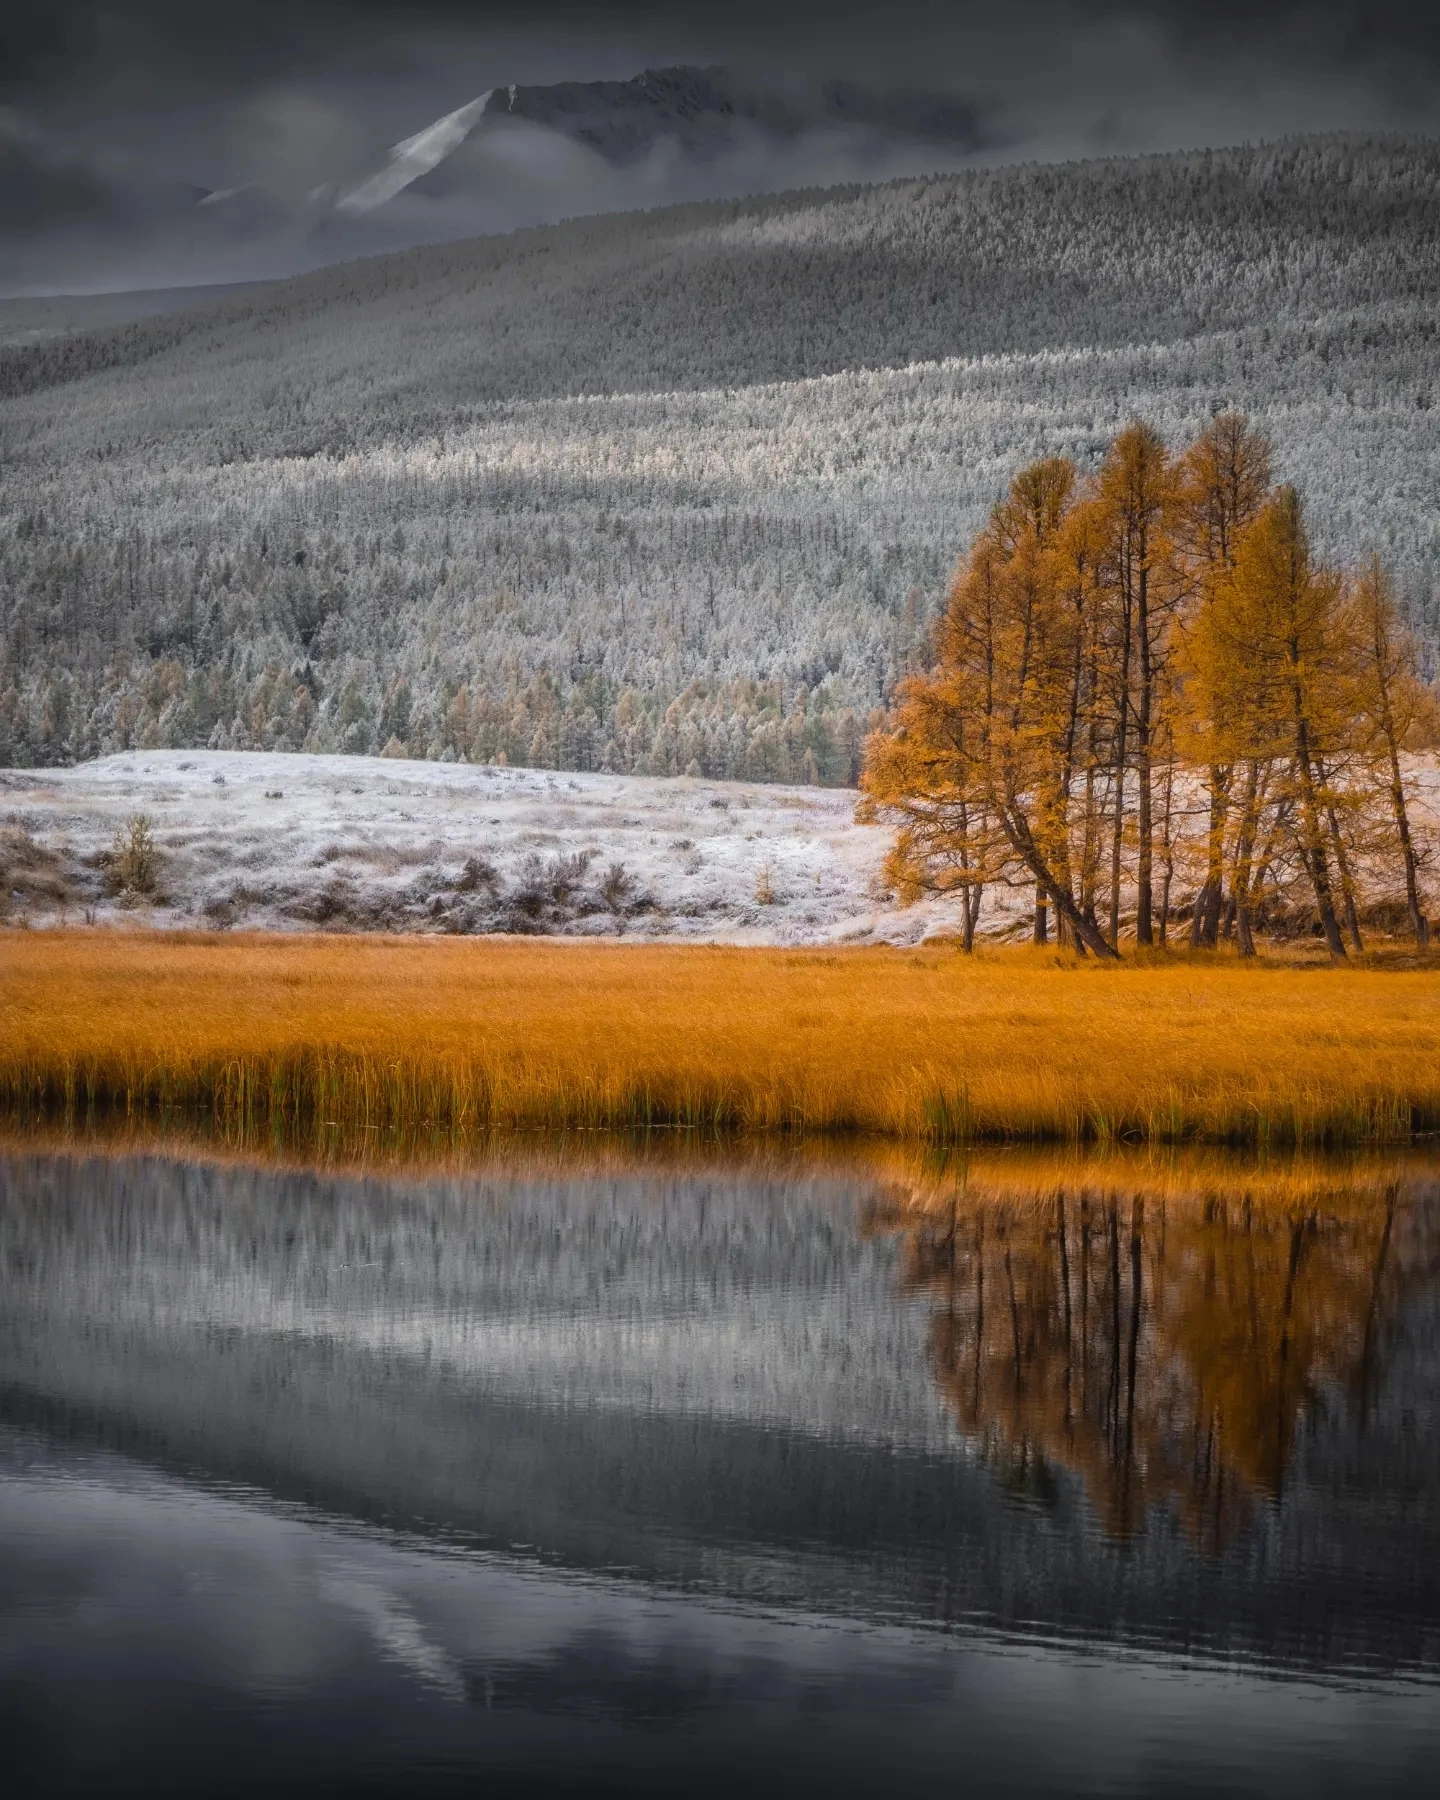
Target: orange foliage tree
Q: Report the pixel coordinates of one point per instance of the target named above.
(1124, 654)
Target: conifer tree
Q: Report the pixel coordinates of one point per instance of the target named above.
(1283, 656)
(975, 768)
(1152, 646)
(1394, 703)
(1136, 498)
(1224, 480)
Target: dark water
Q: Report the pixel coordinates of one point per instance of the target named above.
(1101, 1480)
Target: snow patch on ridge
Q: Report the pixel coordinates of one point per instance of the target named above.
(415, 156)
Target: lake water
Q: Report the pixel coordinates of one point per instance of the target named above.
(575, 1470)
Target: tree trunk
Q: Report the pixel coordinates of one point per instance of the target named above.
(1380, 652)
(1419, 924)
(1347, 885)
(1086, 935)
(1013, 823)
(1214, 910)
(1317, 864)
(1312, 837)
(1094, 833)
(1243, 930)
(1116, 844)
(1167, 838)
(1205, 920)
(1145, 823)
(970, 914)
(1042, 927)
(1319, 869)
(1244, 850)
(1121, 732)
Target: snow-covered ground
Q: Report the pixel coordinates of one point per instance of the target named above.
(294, 842)
(291, 842)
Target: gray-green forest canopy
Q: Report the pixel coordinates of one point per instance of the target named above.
(681, 490)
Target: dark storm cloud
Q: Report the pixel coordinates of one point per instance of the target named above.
(75, 40)
(1314, 63)
(36, 40)
(289, 98)
(1343, 28)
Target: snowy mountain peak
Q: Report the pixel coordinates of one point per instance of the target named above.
(706, 111)
(415, 156)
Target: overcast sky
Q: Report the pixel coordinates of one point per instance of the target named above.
(290, 93)
(1132, 72)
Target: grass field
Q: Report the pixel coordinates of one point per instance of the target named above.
(393, 1035)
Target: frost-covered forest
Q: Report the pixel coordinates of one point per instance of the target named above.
(679, 491)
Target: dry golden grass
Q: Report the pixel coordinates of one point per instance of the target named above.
(394, 1035)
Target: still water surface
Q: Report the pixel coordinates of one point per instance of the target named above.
(1026, 1475)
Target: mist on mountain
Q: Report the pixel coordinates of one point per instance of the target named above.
(511, 157)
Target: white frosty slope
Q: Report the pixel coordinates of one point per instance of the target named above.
(346, 842)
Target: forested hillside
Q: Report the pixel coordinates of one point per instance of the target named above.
(680, 490)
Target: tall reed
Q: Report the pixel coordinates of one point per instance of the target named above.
(311, 1034)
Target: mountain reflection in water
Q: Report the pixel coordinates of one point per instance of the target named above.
(407, 1476)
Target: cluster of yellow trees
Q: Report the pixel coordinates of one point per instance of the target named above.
(1144, 679)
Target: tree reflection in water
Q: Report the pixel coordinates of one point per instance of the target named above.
(1164, 1337)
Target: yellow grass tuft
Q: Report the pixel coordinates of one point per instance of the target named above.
(394, 1035)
